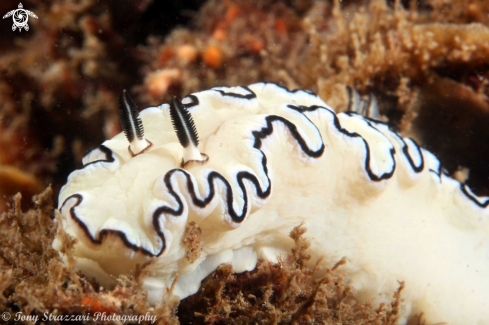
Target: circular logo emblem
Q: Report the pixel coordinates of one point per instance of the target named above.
(20, 17)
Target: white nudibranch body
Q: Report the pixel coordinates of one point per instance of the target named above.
(276, 159)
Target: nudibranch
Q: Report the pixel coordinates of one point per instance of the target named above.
(247, 164)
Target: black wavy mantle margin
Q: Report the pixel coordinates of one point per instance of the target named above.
(241, 176)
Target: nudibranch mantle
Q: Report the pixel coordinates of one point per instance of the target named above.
(276, 159)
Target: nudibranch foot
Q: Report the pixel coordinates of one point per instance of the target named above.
(274, 159)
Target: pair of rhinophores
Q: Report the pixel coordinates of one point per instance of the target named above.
(265, 160)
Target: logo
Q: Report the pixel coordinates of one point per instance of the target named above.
(20, 17)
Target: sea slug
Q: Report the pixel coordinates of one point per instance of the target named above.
(247, 164)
